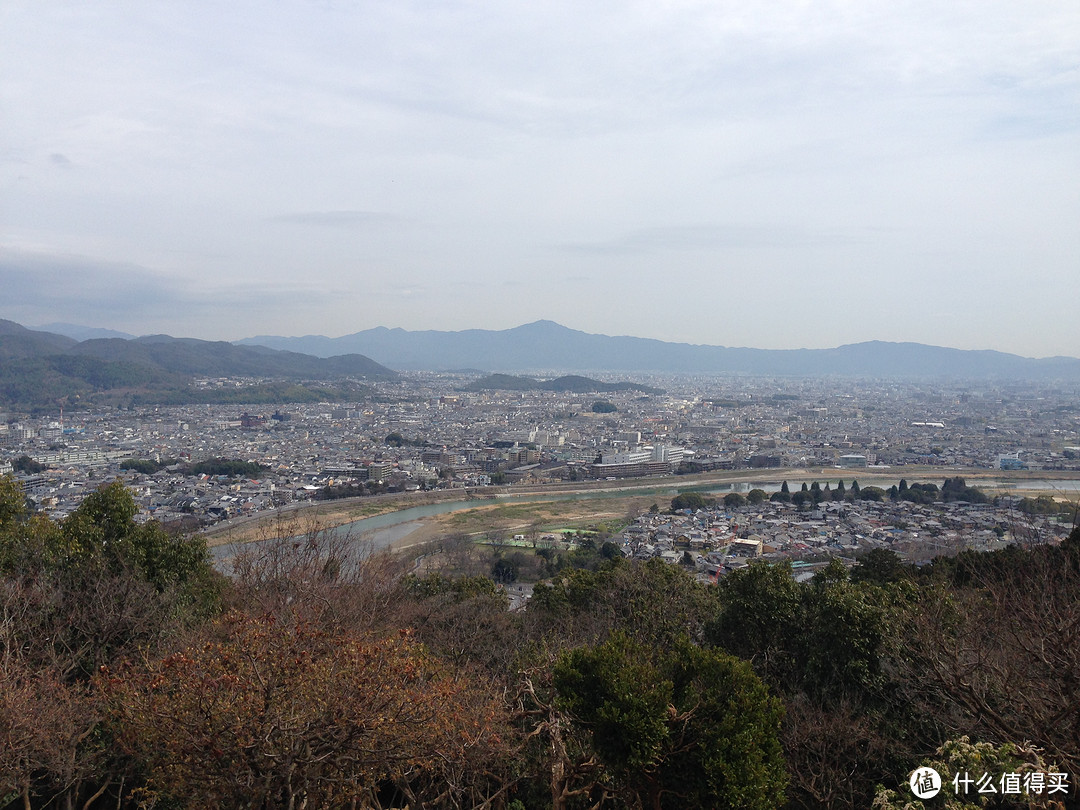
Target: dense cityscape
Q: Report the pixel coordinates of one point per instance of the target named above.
(427, 432)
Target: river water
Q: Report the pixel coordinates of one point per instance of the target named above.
(383, 530)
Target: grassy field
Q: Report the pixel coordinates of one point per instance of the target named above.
(612, 500)
(543, 517)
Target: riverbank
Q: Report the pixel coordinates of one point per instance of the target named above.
(325, 514)
(540, 517)
(596, 500)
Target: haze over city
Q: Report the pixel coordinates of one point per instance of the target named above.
(768, 175)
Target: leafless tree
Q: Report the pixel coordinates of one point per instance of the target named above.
(306, 572)
(999, 658)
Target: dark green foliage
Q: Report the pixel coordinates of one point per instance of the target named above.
(18, 341)
(956, 489)
(103, 582)
(983, 568)
(351, 490)
(881, 566)
(140, 465)
(103, 529)
(756, 496)
(610, 551)
(760, 609)
(690, 500)
(220, 359)
(147, 466)
(919, 493)
(103, 375)
(616, 691)
(733, 500)
(686, 727)
(12, 502)
(783, 496)
(42, 383)
(27, 466)
(228, 467)
(395, 439)
(28, 382)
(603, 406)
(823, 646)
(1042, 505)
(823, 638)
(653, 602)
(504, 570)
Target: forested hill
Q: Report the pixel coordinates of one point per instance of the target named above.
(18, 341)
(39, 369)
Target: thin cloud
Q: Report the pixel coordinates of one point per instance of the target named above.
(77, 283)
(336, 219)
(701, 237)
(80, 289)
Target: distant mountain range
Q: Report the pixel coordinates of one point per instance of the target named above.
(546, 345)
(77, 332)
(40, 369)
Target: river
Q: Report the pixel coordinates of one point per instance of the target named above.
(384, 530)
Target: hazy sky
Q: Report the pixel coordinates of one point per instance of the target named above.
(768, 174)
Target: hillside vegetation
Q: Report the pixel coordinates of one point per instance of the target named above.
(136, 676)
(41, 370)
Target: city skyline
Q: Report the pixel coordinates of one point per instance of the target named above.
(776, 176)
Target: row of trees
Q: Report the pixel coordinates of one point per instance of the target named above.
(135, 676)
(814, 494)
(228, 467)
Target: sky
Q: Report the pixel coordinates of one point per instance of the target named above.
(766, 174)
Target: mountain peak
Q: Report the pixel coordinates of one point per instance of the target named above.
(541, 324)
(545, 345)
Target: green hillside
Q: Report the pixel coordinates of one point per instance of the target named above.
(41, 370)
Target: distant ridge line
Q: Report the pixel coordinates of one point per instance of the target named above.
(546, 345)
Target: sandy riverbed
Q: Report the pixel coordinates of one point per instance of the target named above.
(518, 517)
(521, 518)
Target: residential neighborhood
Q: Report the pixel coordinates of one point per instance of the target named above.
(427, 432)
